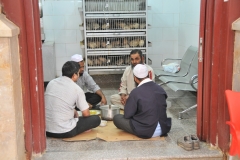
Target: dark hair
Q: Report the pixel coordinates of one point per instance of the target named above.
(136, 51)
(70, 68)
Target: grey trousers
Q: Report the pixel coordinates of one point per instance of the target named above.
(122, 123)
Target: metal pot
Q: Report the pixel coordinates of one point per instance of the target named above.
(109, 111)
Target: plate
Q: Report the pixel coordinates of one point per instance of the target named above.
(92, 112)
(95, 112)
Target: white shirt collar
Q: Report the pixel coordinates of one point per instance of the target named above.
(144, 81)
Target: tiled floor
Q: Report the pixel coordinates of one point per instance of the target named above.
(164, 149)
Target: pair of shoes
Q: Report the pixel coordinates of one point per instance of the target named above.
(196, 144)
(189, 142)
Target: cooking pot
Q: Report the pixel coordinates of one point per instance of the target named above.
(109, 111)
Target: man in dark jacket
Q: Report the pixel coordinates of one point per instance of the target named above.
(145, 110)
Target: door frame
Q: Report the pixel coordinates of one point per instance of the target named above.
(25, 14)
(216, 18)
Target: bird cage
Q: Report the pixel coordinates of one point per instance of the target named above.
(112, 29)
(115, 24)
(109, 61)
(115, 5)
(103, 43)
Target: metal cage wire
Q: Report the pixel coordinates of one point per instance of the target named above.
(114, 5)
(112, 28)
(116, 42)
(109, 60)
(115, 24)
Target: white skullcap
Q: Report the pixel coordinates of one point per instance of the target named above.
(140, 71)
(77, 58)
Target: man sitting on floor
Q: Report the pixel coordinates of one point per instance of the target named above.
(61, 96)
(145, 110)
(85, 80)
(127, 80)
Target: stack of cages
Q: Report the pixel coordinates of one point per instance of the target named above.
(112, 29)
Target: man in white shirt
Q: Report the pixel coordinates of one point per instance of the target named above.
(127, 80)
(61, 96)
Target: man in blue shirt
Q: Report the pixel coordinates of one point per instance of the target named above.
(94, 95)
(145, 109)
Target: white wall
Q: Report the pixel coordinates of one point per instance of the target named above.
(175, 26)
(164, 19)
(61, 21)
(188, 32)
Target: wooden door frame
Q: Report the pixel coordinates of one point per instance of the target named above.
(216, 18)
(217, 52)
(25, 14)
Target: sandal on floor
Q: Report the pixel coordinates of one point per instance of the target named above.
(196, 143)
(186, 143)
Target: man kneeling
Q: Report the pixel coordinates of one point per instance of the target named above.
(61, 96)
(145, 110)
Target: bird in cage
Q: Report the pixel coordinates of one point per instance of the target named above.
(133, 43)
(109, 61)
(109, 46)
(117, 43)
(135, 25)
(88, 27)
(131, 26)
(96, 62)
(98, 44)
(103, 44)
(113, 44)
(125, 43)
(142, 25)
(121, 25)
(102, 60)
(95, 26)
(141, 43)
(119, 61)
(92, 45)
(105, 26)
(127, 27)
(127, 60)
(89, 62)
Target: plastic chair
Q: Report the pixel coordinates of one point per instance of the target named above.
(233, 101)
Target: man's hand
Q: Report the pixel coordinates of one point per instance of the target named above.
(103, 100)
(86, 113)
(124, 98)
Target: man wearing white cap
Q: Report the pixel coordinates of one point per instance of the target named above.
(127, 81)
(145, 110)
(85, 80)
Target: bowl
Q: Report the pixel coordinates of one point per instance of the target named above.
(109, 111)
(103, 123)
